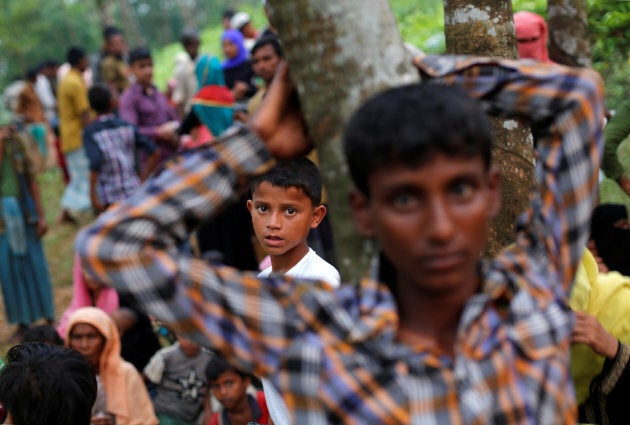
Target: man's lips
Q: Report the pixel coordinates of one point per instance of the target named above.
(443, 261)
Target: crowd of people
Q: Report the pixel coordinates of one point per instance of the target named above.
(205, 289)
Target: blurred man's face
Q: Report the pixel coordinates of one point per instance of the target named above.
(265, 62)
(116, 45)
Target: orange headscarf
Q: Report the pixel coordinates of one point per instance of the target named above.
(127, 396)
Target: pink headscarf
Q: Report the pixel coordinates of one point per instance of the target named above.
(106, 301)
(531, 36)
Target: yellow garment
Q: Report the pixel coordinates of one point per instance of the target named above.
(72, 102)
(126, 395)
(607, 297)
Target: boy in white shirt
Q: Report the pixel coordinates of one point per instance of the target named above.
(285, 205)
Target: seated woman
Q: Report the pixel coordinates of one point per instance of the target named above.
(229, 235)
(87, 293)
(122, 397)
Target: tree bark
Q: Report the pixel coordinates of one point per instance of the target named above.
(486, 28)
(340, 55)
(569, 41)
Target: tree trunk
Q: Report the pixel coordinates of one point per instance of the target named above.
(130, 24)
(569, 42)
(187, 11)
(486, 28)
(103, 8)
(340, 55)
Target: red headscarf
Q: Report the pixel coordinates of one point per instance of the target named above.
(531, 36)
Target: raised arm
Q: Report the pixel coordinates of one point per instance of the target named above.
(565, 109)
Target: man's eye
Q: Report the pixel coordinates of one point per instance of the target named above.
(463, 191)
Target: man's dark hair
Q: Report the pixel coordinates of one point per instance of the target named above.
(139, 53)
(268, 40)
(45, 384)
(218, 366)
(299, 172)
(74, 55)
(100, 98)
(110, 31)
(189, 36)
(410, 125)
(42, 333)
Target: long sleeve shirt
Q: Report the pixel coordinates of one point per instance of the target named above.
(334, 354)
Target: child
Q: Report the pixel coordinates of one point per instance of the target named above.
(143, 105)
(179, 372)
(446, 337)
(229, 386)
(285, 205)
(110, 145)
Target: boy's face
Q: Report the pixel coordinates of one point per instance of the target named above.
(431, 220)
(188, 347)
(282, 219)
(230, 389)
(142, 69)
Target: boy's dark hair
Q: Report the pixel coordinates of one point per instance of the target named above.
(100, 98)
(44, 384)
(139, 53)
(218, 366)
(410, 125)
(42, 333)
(268, 40)
(298, 172)
(74, 55)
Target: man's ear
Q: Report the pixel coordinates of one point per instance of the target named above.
(319, 212)
(360, 206)
(494, 187)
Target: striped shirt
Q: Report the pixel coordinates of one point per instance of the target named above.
(111, 145)
(334, 353)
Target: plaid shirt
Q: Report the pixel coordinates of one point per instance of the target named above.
(334, 354)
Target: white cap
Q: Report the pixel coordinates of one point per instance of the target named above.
(239, 20)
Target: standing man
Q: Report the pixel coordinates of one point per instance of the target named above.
(113, 69)
(74, 115)
(266, 56)
(184, 73)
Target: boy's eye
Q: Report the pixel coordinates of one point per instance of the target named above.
(290, 211)
(262, 208)
(405, 200)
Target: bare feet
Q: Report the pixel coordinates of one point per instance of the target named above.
(65, 218)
